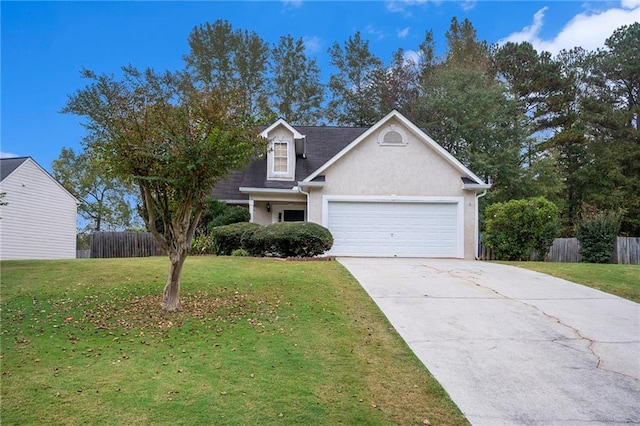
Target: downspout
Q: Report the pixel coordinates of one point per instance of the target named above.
(307, 194)
(251, 205)
(478, 196)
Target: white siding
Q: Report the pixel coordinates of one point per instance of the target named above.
(39, 221)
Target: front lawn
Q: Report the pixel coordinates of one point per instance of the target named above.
(621, 280)
(258, 341)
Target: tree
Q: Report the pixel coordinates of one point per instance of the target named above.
(531, 78)
(231, 61)
(464, 50)
(219, 213)
(613, 108)
(103, 199)
(469, 115)
(620, 65)
(427, 58)
(297, 91)
(174, 141)
(354, 99)
(398, 85)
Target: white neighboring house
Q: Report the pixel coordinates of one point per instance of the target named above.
(39, 220)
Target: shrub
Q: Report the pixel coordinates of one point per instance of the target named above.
(515, 228)
(240, 252)
(230, 216)
(596, 234)
(290, 239)
(204, 244)
(232, 237)
(219, 213)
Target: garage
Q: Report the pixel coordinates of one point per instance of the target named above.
(395, 228)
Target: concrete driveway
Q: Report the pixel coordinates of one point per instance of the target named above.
(511, 346)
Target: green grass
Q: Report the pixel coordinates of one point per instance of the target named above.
(258, 341)
(621, 280)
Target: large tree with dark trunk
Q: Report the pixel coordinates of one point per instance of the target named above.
(103, 201)
(174, 141)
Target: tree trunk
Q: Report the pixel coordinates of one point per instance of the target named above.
(171, 293)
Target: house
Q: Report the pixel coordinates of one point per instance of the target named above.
(385, 190)
(39, 219)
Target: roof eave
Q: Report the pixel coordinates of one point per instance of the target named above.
(250, 190)
(476, 186)
(304, 184)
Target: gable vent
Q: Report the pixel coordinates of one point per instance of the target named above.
(392, 138)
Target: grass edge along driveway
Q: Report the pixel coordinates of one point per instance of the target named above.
(259, 341)
(619, 280)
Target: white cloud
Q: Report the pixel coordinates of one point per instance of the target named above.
(292, 3)
(370, 29)
(403, 6)
(400, 6)
(411, 57)
(8, 155)
(312, 44)
(467, 5)
(588, 29)
(403, 33)
(630, 4)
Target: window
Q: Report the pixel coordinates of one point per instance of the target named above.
(294, 215)
(280, 157)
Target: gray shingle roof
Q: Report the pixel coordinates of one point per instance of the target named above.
(323, 142)
(8, 166)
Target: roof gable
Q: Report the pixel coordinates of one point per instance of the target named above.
(281, 122)
(411, 127)
(9, 165)
(12, 166)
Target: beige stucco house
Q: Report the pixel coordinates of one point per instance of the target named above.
(385, 190)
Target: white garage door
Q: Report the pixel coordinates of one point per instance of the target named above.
(393, 228)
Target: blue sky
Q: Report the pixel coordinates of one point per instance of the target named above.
(46, 44)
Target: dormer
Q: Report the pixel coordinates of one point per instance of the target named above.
(281, 155)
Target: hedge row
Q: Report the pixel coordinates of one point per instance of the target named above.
(282, 239)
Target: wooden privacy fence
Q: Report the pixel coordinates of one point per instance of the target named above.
(626, 250)
(124, 244)
(564, 250)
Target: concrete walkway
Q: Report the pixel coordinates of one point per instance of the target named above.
(511, 346)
